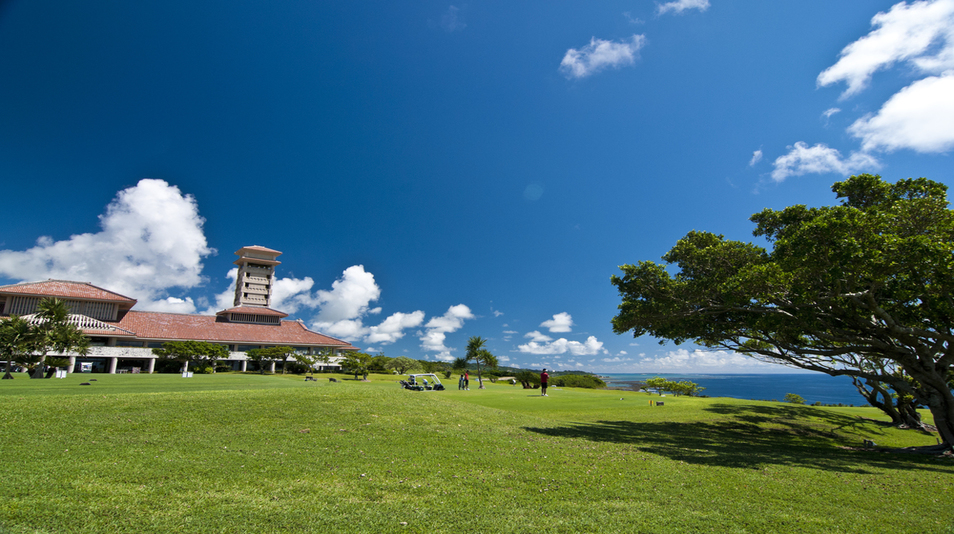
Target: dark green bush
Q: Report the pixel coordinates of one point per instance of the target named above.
(577, 381)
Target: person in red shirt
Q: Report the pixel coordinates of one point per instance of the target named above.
(467, 380)
(544, 378)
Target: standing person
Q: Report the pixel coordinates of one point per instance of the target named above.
(467, 380)
(544, 378)
(460, 383)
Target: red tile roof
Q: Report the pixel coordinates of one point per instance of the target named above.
(67, 290)
(253, 310)
(171, 326)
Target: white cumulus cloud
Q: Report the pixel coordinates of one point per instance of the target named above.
(701, 361)
(392, 328)
(151, 240)
(561, 322)
(679, 6)
(919, 117)
(803, 159)
(920, 33)
(601, 54)
(342, 310)
(561, 346)
(436, 330)
(538, 337)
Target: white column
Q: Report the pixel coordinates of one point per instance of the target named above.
(69, 368)
(152, 365)
(273, 366)
(244, 365)
(112, 365)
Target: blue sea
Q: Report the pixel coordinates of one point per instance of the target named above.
(813, 387)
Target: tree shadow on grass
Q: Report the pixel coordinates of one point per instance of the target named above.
(753, 437)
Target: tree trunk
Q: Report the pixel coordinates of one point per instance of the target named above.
(38, 371)
(935, 392)
(942, 408)
(871, 395)
(7, 375)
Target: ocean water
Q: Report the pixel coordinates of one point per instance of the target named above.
(813, 387)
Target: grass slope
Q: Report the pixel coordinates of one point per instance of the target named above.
(248, 453)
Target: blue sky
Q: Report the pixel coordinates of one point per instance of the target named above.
(433, 171)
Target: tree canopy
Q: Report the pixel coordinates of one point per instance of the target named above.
(860, 289)
(53, 332)
(187, 351)
(403, 364)
(356, 363)
(270, 354)
(16, 343)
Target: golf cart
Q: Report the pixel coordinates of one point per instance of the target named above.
(423, 382)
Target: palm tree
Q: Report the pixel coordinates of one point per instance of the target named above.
(477, 353)
(54, 332)
(15, 342)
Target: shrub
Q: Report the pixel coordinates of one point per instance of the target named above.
(296, 368)
(528, 379)
(794, 398)
(578, 381)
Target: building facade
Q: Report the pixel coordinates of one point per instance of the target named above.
(122, 339)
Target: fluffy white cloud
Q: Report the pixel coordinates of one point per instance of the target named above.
(702, 361)
(561, 322)
(349, 297)
(436, 330)
(803, 159)
(678, 6)
(920, 33)
(343, 309)
(151, 240)
(538, 337)
(919, 117)
(562, 346)
(600, 54)
(392, 328)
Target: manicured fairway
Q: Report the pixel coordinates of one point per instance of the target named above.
(249, 453)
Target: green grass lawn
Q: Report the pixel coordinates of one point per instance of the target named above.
(250, 453)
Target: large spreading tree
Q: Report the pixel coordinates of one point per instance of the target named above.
(862, 289)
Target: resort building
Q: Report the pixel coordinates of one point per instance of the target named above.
(122, 339)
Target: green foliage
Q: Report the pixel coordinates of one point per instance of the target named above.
(16, 343)
(53, 332)
(481, 356)
(577, 381)
(356, 363)
(403, 365)
(683, 387)
(528, 379)
(379, 363)
(188, 351)
(434, 367)
(859, 289)
(794, 398)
